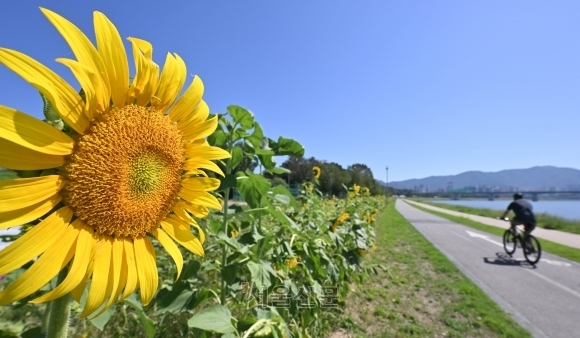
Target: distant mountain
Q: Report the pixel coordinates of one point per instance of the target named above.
(532, 178)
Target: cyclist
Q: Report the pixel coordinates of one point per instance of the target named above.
(524, 214)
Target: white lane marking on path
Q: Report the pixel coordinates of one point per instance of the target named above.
(565, 288)
(486, 238)
(458, 235)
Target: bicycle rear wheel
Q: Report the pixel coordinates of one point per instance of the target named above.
(532, 250)
(509, 242)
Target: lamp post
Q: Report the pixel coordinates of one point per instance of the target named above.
(387, 186)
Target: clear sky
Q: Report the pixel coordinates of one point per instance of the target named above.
(425, 87)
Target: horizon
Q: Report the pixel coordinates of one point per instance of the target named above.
(424, 88)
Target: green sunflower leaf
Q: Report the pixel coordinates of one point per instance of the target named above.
(241, 116)
(215, 318)
(252, 188)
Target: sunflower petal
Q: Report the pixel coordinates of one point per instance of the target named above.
(200, 130)
(100, 282)
(117, 264)
(22, 216)
(17, 157)
(205, 152)
(193, 164)
(200, 198)
(86, 54)
(184, 216)
(146, 78)
(23, 192)
(188, 101)
(201, 183)
(198, 211)
(180, 233)
(171, 249)
(173, 87)
(33, 134)
(132, 276)
(35, 241)
(146, 268)
(63, 97)
(78, 267)
(43, 270)
(78, 291)
(86, 78)
(197, 116)
(110, 47)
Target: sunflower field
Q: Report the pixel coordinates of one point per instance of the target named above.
(112, 193)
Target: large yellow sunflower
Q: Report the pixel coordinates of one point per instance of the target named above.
(130, 171)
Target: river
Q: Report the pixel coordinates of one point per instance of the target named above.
(566, 209)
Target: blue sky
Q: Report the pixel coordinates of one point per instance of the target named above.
(425, 87)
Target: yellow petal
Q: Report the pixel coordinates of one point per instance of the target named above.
(22, 216)
(23, 192)
(205, 153)
(117, 266)
(86, 78)
(184, 216)
(78, 291)
(173, 86)
(198, 211)
(146, 73)
(78, 268)
(43, 270)
(200, 198)
(33, 134)
(132, 276)
(188, 101)
(200, 130)
(14, 156)
(195, 117)
(146, 268)
(180, 233)
(61, 95)
(171, 249)
(100, 282)
(166, 87)
(86, 54)
(201, 183)
(110, 47)
(193, 164)
(35, 241)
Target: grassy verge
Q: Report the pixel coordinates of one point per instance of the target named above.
(544, 220)
(547, 246)
(418, 292)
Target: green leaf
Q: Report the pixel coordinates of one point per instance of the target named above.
(261, 274)
(227, 182)
(287, 146)
(103, 319)
(147, 322)
(252, 188)
(215, 318)
(282, 190)
(7, 174)
(218, 138)
(280, 171)
(241, 116)
(267, 161)
(237, 156)
(256, 138)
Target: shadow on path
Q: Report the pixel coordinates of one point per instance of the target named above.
(506, 260)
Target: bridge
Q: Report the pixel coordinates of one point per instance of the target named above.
(532, 195)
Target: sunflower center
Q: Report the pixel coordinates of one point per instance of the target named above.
(124, 175)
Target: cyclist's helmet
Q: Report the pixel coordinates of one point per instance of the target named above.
(518, 196)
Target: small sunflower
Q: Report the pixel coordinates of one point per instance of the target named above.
(292, 263)
(316, 171)
(131, 170)
(339, 220)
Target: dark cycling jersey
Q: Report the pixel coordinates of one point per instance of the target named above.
(523, 211)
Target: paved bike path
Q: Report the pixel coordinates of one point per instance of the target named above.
(545, 299)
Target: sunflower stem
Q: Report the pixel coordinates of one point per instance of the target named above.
(58, 319)
(225, 225)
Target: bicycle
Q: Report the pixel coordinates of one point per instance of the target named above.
(532, 249)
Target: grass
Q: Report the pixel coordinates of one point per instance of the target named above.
(418, 292)
(544, 220)
(565, 251)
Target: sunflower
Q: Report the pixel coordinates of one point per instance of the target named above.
(316, 172)
(339, 220)
(130, 170)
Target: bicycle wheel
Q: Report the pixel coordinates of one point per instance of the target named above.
(532, 250)
(509, 242)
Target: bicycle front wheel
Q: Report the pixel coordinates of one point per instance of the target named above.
(509, 242)
(532, 250)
